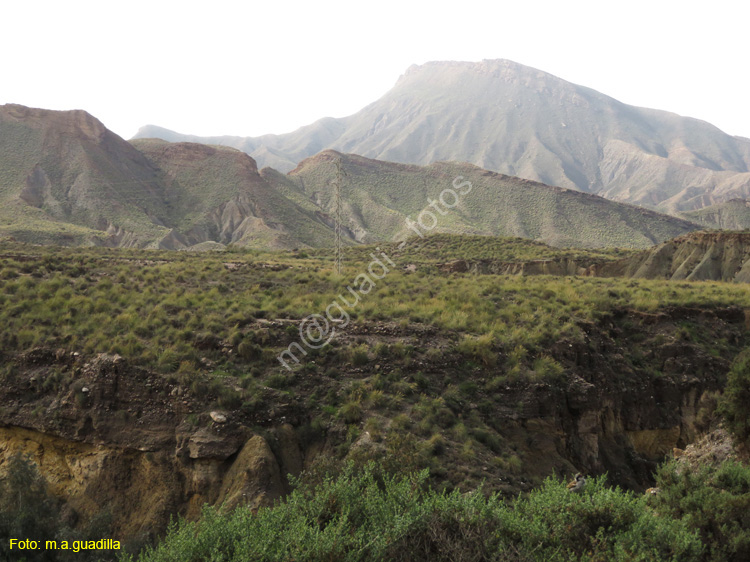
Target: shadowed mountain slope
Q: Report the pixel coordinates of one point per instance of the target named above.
(222, 198)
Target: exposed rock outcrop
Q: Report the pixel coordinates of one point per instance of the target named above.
(68, 180)
(698, 256)
(119, 436)
(560, 266)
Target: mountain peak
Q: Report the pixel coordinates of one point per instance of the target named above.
(483, 65)
(328, 155)
(156, 132)
(502, 70)
(517, 120)
(74, 122)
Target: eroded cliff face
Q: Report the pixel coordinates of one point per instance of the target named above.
(121, 439)
(116, 437)
(557, 266)
(698, 256)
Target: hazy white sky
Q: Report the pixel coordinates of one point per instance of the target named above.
(249, 68)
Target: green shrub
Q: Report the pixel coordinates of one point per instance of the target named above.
(359, 356)
(512, 464)
(229, 399)
(734, 405)
(249, 351)
(168, 361)
(487, 438)
(436, 444)
(279, 381)
(602, 523)
(26, 509)
(368, 515)
(351, 412)
(546, 368)
(714, 501)
(479, 348)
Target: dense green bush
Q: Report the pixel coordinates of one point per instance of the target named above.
(715, 501)
(364, 515)
(351, 412)
(734, 405)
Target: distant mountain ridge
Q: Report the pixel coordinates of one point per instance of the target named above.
(66, 179)
(516, 120)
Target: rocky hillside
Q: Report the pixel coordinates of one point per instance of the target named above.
(699, 256)
(732, 215)
(148, 383)
(516, 120)
(380, 196)
(148, 448)
(221, 197)
(66, 179)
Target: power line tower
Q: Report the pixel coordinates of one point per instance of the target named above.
(337, 211)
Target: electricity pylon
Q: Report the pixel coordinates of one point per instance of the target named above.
(340, 175)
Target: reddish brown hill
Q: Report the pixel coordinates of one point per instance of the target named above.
(66, 179)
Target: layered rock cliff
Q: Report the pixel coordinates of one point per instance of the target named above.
(122, 439)
(698, 256)
(107, 435)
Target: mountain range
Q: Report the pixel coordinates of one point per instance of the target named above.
(519, 121)
(65, 178)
